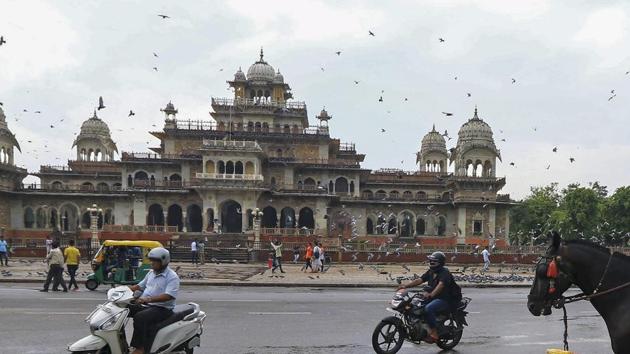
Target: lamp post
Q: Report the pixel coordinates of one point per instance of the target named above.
(94, 211)
(257, 214)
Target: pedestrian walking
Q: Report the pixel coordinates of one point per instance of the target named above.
(72, 256)
(322, 258)
(296, 254)
(55, 268)
(194, 253)
(486, 259)
(316, 264)
(277, 248)
(48, 244)
(201, 251)
(4, 251)
(308, 255)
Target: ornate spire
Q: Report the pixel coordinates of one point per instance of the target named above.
(261, 54)
(433, 131)
(475, 116)
(94, 116)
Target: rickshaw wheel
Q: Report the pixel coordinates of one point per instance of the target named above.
(91, 284)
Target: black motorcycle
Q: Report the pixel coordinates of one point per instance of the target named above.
(409, 324)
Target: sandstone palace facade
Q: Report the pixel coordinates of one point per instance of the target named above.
(259, 153)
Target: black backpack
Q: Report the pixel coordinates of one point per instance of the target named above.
(456, 291)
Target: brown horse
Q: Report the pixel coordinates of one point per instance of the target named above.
(604, 278)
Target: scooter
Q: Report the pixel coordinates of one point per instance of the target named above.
(180, 333)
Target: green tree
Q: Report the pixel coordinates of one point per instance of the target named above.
(616, 212)
(580, 212)
(532, 217)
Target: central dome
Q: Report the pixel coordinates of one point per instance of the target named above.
(95, 128)
(261, 70)
(475, 130)
(433, 141)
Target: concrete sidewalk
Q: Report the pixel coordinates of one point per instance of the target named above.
(257, 274)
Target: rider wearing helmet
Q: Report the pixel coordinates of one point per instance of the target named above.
(438, 295)
(159, 290)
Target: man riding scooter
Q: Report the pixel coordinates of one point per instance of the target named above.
(159, 291)
(438, 295)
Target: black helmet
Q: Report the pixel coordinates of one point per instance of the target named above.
(437, 259)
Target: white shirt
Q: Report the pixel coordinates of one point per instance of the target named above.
(486, 255)
(193, 246)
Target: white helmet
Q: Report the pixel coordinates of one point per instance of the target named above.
(160, 254)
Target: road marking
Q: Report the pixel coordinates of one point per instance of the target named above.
(279, 313)
(475, 312)
(238, 300)
(375, 300)
(73, 298)
(57, 313)
(573, 340)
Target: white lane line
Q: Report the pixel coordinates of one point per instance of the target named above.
(74, 298)
(475, 312)
(279, 313)
(56, 313)
(375, 300)
(238, 300)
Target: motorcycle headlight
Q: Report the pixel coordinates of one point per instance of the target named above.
(396, 303)
(87, 319)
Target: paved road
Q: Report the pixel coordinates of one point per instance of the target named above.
(282, 320)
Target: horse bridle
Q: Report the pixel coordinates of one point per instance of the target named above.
(559, 302)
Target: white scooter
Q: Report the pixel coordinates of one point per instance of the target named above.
(180, 333)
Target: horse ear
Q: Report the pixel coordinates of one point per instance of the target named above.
(555, 241)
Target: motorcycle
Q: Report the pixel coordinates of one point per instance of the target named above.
(409, 324)
(180, 333)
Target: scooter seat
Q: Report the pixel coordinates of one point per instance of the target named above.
(179, 312)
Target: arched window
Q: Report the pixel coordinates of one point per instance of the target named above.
(209, 166)
(102, 187)
(380, 194)
(250, 126)
(442, 226)
(141, 176)
(221, 167)
(56, 185)
(278, 152)
(229, 167)
(309, 184)
(238, 168)
(421, 195)
(341, 185)
(420, 226)
(367, 194)
(369, 226)
(407, 195)
(258, 127)
(394, 195)
(87, 186)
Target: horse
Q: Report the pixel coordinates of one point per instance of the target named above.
(603, 277)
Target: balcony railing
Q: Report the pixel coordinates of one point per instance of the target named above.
(140, 228)
(315, 161)
(231, 144)
(229, 176)
(67, 188)
(241, 103)
(132, 156)
(347, 147)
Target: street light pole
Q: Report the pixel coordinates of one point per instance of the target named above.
(257, 214)
(94, 211)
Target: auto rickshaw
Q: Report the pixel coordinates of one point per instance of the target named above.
(120, 263)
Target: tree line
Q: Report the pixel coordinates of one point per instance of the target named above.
(576, 212)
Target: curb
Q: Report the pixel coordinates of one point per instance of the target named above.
(289, 285)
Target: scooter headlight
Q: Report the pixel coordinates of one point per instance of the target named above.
(108, 323)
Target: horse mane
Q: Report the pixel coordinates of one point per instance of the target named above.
(597, 247)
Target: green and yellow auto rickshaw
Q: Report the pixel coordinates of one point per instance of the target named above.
(120, 262)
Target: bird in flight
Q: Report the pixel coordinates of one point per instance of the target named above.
(100, 103)
(442, 40)
(382, 130)
(2, 40)
(155, 55)
(571, 159)
(406, 99)
(356, 82)
(468, 94)
(380, 99)
(548, 166)
(155, 68)
(371, 33)
(164, 16)
(513, 80)
(611, 97)
(131, 113)
(338, 52)
(512, 164)
(555, 149)
(38, 112)
(448, 114)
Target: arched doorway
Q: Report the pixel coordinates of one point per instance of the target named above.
(369, 226)
(391, 226)
(195, 220)
(306, 218)
(405, 224)
(442, 226)
(287, 218)
(156, 215)
(174, 217)
(341, 185)
(86, 221)
(231, 220)
(420, 226)
(269, 218)
(210, 217)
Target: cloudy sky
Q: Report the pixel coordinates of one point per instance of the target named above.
(566, 57)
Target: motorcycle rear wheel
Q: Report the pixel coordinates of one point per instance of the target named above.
(388, 336)
(457, 329)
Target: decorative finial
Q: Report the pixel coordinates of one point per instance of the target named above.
(433, 131)
(475, 116)
(261, 54)
(95, 116)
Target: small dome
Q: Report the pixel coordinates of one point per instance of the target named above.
(475, 130)
(5, 132)
(278, 79)
(239, 75)
(260, 70)
(323, 115)
(433, 141)
(95, 128)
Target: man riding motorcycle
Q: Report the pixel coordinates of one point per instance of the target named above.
(159, 291)
(439, 295)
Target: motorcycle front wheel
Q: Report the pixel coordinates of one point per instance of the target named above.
(456, 330)
(388, 336)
